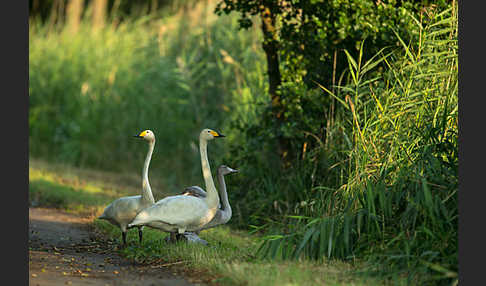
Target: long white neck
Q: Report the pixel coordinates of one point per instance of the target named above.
(212, 198)
(225, 208)
(146, 190)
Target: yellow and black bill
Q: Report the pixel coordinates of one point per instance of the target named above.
(141, 135)
(217, 134)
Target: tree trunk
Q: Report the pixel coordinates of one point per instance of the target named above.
(270, 46)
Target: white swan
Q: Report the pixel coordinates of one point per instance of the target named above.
(222, 216)
(180, 213)
(123, 210)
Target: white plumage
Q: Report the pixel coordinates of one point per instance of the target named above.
(123, 210)
(180, 213)
(176, 213)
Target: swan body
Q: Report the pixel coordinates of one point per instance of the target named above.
(182, 213)
(176, 213)
(123, 210)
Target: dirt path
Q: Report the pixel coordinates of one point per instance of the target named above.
(62, 251)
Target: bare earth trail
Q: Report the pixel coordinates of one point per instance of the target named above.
(63, 251)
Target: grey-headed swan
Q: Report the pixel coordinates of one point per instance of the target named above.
(223, 215)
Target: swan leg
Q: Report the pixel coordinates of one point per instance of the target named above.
(173, 237)
(180, 236)
(140, 234)
(124, 237)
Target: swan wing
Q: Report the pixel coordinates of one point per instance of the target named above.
(194, 191)
(175, 210)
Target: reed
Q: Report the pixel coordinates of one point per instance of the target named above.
(396, 140)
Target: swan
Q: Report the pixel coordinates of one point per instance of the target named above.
(223, 215)
(180, 213)
(123, 210)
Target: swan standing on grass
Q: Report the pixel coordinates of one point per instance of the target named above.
(223, 215)
(180, 213)
(123, 210)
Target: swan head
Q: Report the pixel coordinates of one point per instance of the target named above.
(147, 135)
(208, 134)
(224, 170)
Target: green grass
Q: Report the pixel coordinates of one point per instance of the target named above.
(229, 259)
(78, 190)
(50, 189)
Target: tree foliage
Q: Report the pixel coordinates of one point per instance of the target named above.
(309, 32)
(309, 37)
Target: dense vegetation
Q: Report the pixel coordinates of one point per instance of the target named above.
(367, 114)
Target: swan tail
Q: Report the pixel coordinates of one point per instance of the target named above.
(132, 224)
(107, 212)
(103, 216)
(136, 222)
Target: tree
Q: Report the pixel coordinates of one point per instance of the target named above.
(304, 41)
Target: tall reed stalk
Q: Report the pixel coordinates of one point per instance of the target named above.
(397, 204)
